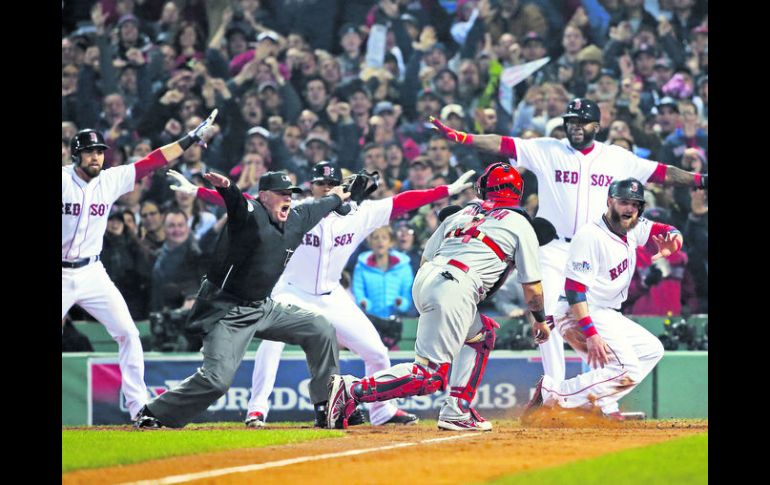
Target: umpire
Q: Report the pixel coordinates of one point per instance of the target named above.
(234, 304)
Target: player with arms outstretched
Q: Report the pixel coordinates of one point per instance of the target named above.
(88, 193)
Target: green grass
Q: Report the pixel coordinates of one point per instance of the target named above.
(83, 448)
(680, 461)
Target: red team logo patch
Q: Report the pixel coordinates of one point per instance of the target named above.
(93, 137)
(577, 104)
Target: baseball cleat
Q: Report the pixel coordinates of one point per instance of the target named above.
(473, 422)
(616, 416)
(537, 399)
(402, 417)
(255, 419)
(341, 403)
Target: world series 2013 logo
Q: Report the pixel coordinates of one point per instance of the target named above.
(581, 267)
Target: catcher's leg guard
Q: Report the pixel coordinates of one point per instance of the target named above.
(403, 380)
(470, 363)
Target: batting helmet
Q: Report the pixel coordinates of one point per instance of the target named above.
(583, 109)
(326, 171)
(85, 139)
(501, 185)
(628, 189)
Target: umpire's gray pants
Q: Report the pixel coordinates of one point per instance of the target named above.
(225, 346)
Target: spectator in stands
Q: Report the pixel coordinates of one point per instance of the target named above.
(407, 243)
(689, 134)
(199, 220)
(152, 233)
(441, 158)
(351, 57)
(180, 261)
(515, 17)
(382, 280)
(127, 263)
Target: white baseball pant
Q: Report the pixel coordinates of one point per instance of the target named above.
(354, 331)
(634, 352)
(91, 287)
(553, 260)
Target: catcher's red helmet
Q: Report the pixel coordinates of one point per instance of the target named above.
(500, 186)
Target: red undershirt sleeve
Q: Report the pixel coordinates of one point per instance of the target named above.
(153, 161)
(412, 199)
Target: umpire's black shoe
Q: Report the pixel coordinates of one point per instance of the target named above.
(146, 420)
(402, 417)
(355, 419)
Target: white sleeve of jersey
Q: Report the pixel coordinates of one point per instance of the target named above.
(375, 213)
(431, 247)
(527, 262)
(119, 180)
(638, 168)
(532, 153)
(583, 259)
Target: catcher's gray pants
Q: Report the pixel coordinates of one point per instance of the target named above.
(225, 345)
(448, 315)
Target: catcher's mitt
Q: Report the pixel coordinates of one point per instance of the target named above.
(359, 185)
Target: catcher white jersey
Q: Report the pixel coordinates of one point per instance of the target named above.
(508, 229)
(604, 261)
(316, 266)
(85, 208)
(576, 184)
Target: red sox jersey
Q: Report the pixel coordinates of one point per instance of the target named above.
(508, 229)
(604, 262)
(316, 265)
(573, 185)
(85, 207)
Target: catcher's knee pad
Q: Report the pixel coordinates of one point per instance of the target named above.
(483, 343)
(403, 380)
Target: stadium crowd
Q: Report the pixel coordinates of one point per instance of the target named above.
(354, 82)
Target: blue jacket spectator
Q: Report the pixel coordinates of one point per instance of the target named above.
(382, 280)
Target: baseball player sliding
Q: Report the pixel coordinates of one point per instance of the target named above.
(88, 192)
(599, 269)
(572, 175)
(466, 259)
(312, 281)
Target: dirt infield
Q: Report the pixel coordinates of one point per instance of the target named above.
(548, 439)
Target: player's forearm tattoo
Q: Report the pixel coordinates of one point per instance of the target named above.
(488, 143)
(678, 177)
(535, 303)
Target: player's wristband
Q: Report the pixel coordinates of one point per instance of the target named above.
(539, 315)
(187, 141)
(701, 180)
(587, 326)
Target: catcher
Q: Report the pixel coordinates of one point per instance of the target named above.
(600, 266)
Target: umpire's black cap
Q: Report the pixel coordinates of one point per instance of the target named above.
(277, 181)
(326, 171)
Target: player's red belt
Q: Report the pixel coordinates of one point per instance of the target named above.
(457, 264)
(481, 237)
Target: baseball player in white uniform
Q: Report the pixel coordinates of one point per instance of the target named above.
(312, 281)
(466, 259)
(599, 269)
(572, 176)
(88, 193)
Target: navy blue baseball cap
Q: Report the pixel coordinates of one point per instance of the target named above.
(277, 181)
(326, 171)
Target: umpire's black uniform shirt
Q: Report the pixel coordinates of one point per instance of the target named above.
(253, 250)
